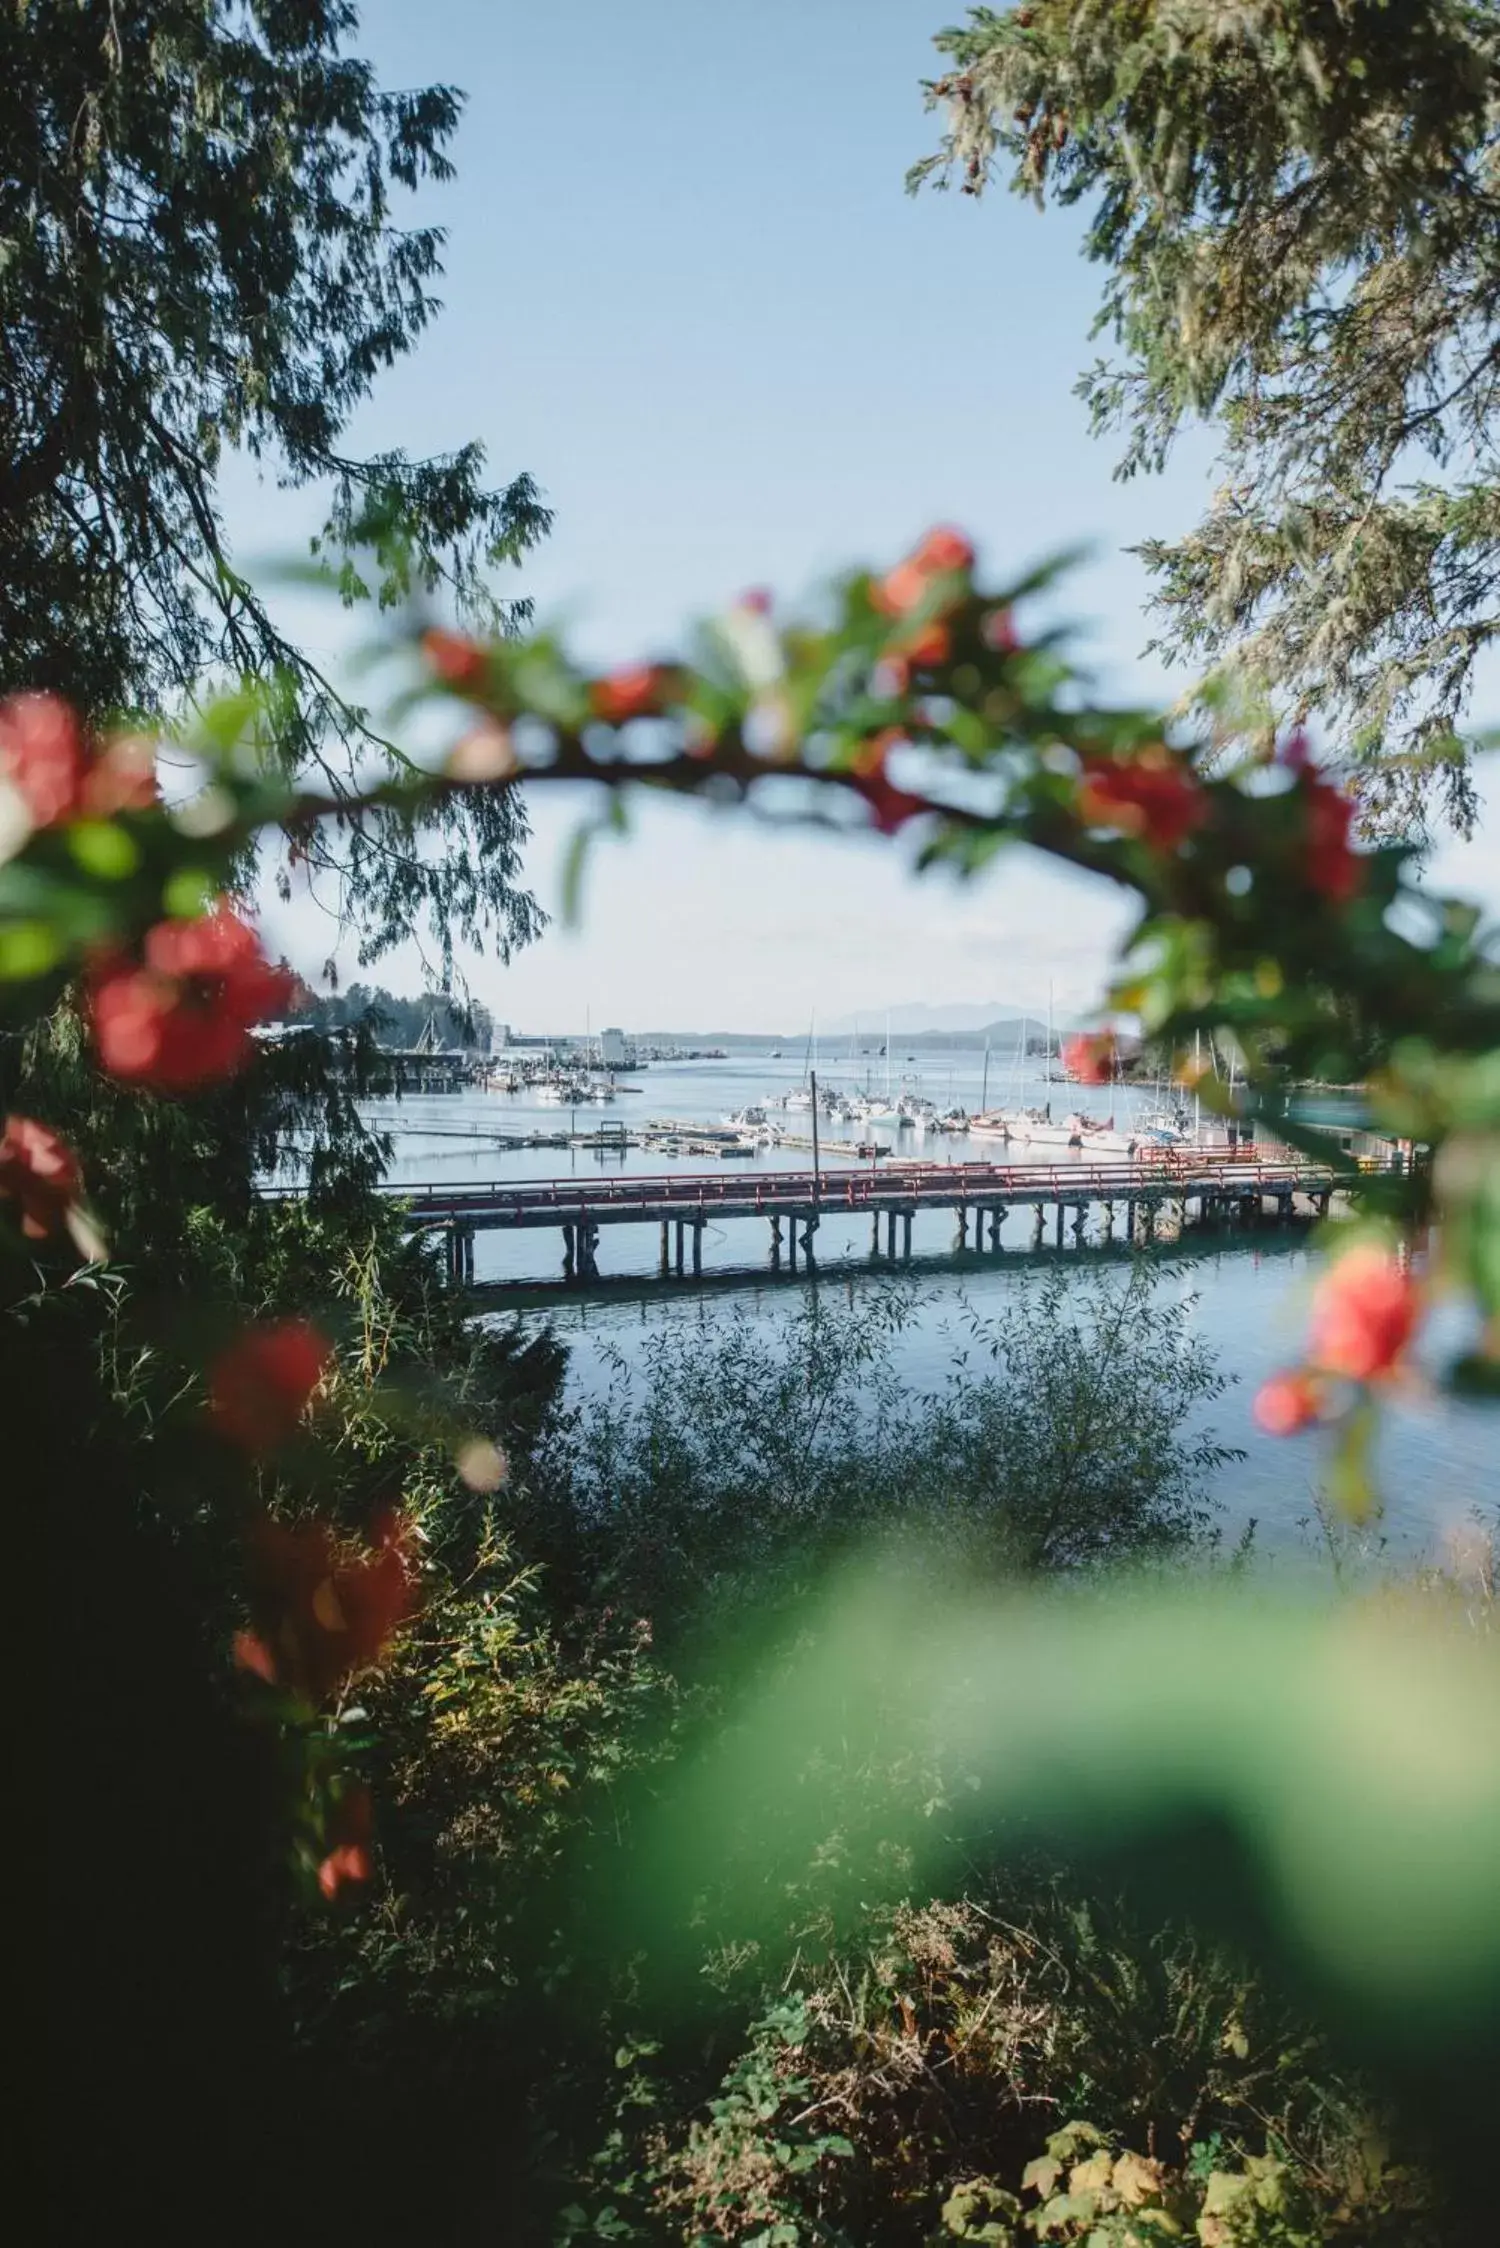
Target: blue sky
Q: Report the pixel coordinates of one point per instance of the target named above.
(685, 288)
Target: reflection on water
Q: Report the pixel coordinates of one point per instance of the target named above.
(1438, 1460)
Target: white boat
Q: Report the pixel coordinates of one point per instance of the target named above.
(747, 1119)
(1027, 1124)
(1104, 1139)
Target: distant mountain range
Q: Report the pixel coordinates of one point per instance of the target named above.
(834, 1043)
(980, 1015)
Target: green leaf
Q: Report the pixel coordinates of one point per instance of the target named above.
(27, 948)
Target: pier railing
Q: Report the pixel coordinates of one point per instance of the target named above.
(690, 1193)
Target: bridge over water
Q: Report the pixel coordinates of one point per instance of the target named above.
(1208, 1185)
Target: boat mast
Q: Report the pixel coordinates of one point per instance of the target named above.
(1047, 1064)
(984, 1089)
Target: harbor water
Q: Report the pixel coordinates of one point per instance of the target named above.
(1438, 1463)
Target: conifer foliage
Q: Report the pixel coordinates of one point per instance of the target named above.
(202, 252)
(1296, 207)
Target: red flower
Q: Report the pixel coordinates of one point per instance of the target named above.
(1089, 1056)
(639, 691)
(1153, 795)
(892, 806)
(60, 774)
(182, 1016)
(1287, 1402)
(1364, 1314)
(321, 1613)
(1333, 868)
(944, 549)
(929, 648)
(39, 1173)
(900, 589)
(348, 1830)
(122, 778)
(940, 554)
(251, 1653)
(42, 755)
(998, 631)
(456, 659)
(258, 1387)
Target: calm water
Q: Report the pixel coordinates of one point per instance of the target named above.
(1438, 1461)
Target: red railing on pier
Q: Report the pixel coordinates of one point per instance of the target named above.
(686, 1193)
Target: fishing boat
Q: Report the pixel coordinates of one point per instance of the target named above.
(747, 1119)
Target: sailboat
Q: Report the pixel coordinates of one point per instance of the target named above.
(886, 1110)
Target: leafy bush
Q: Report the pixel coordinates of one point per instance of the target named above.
(733, 1462)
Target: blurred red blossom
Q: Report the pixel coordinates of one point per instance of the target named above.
(42, 755)
(321, 1612)
(181, 1015)
(943, 548)
(998, 631)
(932, 646)
(1089, 1056)
(892, 806)
(39, 1173)
(60, 773)
(121, 778)
(348, 1830)
(638, 691)
(259, 1386)
(1364, 1313)
(454, 658)
(941, 553)
(1287, 1402)
(1153, 795)
(1333, 867)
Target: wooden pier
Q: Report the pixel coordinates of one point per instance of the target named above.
(1207, 1185)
